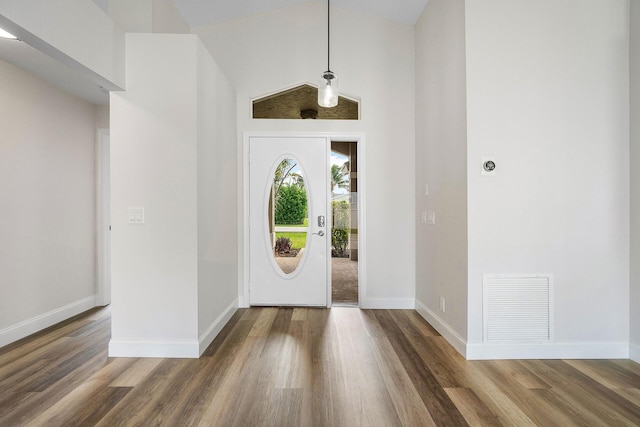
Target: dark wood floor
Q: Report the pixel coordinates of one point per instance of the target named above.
(315, 367)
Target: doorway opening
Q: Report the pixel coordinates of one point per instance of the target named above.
(103, 217)
(344, 225)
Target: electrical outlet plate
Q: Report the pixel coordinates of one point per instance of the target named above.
(431, 217)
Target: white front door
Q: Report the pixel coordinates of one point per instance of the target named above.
(281, 169)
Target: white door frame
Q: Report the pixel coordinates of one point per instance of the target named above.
(243, 270)
(103, 218)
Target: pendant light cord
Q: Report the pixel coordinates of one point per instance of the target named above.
(328, 34)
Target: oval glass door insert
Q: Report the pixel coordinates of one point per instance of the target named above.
(288, 215)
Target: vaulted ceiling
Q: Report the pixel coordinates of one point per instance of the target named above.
(196, 13)
(206, 12)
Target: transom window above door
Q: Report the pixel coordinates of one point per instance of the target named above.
(301, 102)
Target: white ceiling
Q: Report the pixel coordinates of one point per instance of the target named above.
(196, 13)
(205, 12)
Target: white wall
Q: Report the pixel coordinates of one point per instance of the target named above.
(167, 19)
(102, 117)
(547, 94)
(148, 16)
(157, 137)
(374, 60)
(217, 196)
(54, 29)
(47, 185)
(133, 16)
(154, 270)
(103, 4)
(441, 153)
(635, 181)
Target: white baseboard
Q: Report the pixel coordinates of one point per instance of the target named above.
(388, 303)
(172, 349)
(242, 303)
(634, 352)
(166, 349)
(35, 324)
(212, 331)
(484, 351)
(608, 350)
(442, 327)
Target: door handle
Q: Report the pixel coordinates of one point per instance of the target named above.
(319, 233)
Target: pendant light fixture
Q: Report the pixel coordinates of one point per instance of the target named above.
(328, 88)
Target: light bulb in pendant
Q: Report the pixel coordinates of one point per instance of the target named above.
(328, 90)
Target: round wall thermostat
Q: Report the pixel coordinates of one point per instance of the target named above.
(489, 165)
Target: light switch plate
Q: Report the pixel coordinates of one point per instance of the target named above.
(135, 216)
(423, 218)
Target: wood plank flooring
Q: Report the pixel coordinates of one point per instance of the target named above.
(304, 367)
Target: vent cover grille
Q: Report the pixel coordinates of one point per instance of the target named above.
(517, 308)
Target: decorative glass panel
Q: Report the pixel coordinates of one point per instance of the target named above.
(288, 215)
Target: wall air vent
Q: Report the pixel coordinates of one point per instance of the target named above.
(517, 308)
